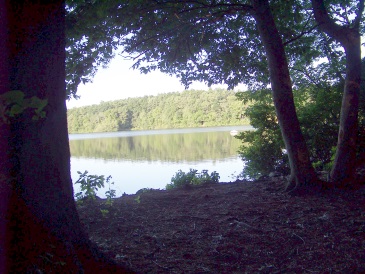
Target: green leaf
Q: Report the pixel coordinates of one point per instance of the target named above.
(15, 110)
(13, 96)
(37, 103)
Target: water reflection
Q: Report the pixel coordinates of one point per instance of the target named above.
(165, 147)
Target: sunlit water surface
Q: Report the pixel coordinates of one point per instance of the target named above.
(148, 159)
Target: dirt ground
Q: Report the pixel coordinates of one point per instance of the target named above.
(242, 227)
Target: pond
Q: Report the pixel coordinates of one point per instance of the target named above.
(148, 159)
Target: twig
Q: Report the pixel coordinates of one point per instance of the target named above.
(160, 265)
(299, 237)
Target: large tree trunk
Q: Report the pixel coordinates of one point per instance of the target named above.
(302, 171)
(43, 229)
(343, 169)
(5, 189)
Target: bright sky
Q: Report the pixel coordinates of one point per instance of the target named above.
(120, 81)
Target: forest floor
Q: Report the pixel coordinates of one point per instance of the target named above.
(242, 227)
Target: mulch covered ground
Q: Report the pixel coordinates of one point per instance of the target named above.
(246, 227)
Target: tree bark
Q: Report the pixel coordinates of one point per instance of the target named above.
(302, 172)
(41, 216)
(5, 189)
(343, 170)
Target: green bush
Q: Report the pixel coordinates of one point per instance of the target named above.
(90, 185)
(182, 179)
(318, 108)
(318, 112)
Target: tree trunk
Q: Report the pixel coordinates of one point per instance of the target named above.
(5, 189)
(343, 170)
(302, 172)
(42, 225)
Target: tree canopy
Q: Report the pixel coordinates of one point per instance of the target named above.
(210, 41)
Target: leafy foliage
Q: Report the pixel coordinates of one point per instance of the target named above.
(110, 193)
(182, 179)
(212, 42)
(14, 103)
(90, 42)
(190, 108)
(89, 185)
(263, 149)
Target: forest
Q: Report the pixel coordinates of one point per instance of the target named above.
(190, 108)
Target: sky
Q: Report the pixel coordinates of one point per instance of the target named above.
(120, 81)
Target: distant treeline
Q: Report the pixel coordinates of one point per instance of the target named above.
(191, 108)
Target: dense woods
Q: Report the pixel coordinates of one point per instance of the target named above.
(191, 108)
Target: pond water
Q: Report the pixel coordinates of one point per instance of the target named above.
(148, 159)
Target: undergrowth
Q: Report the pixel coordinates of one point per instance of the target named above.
(90, 184)
(182, 179)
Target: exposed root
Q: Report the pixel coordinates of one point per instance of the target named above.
(295, 188)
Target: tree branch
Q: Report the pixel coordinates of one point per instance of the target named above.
(325, 22)
(300, 35)
(359, 15)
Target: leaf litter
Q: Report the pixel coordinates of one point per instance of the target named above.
(240, 227)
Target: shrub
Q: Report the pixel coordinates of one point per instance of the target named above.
(90, 185)
(318, 111)
(110, 194)
(182, 179)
